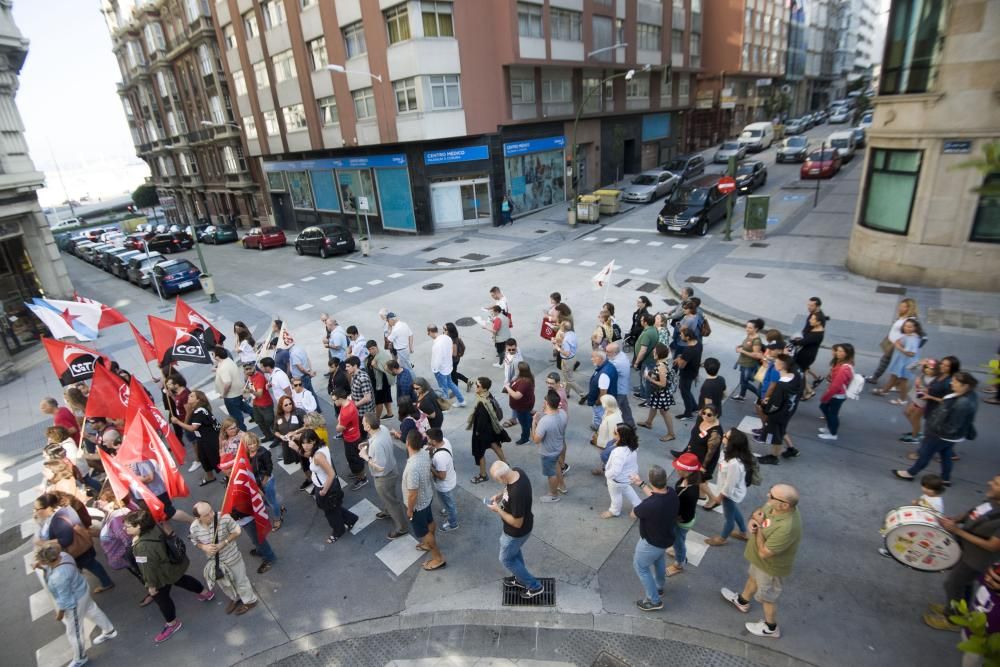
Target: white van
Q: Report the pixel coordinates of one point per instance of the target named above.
(844, 143)
(757, 136)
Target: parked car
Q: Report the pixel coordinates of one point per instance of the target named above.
(693, 207)
(841, 114)
(324, 240)
(686, 166)
(219, 234)
(82, 245)
(100, 256)
(793, 149)
(821, 116)
(68, 223)
(67, 242)
(140, 266)
(729, 149)
(844, 143)
(175, 275)
(866, 120)
(264, 237)
(111, 254)
(170, 243)
(796, 126)
(757, 136)
(860, 136)
(198, 228)
(822, 163)
(750, 175)
(650, 185)
(89, 252)
(117, 264)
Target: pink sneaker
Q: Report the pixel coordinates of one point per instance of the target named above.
(206, 595)
(168, 632)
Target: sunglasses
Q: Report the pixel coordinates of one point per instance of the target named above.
(296, 384)
(708, 413)
(771, 496)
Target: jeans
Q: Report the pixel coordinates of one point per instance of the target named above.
(746, 381)
(91, 483)
(930, 446)
(448, 500)
(690, 405)
(646, 558)
(598, 410)
(831, 410)
(88, 561)
(237, 407)
(524, 419)
(733, 518)
(625, 409)
(403, 358)
(270, 491)
(680, 545)
(511, 558)
(447, 384)
(264, 549)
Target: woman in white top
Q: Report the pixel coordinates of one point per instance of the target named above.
(244, 344)
(604, 438)
(907, 309)
(622, 465)
(326, 487)
(734, 471)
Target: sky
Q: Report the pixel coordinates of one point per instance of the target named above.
(69, 103)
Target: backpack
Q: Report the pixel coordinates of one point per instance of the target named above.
(753, 474)
(855, 386)
(706, 328)
(176, 548)
(616, 332)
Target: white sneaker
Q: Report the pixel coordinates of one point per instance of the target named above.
(105, 636)
(823, 429)
(550, 499)
(827, 436)
(497, 365)
(761, 630)
(460, 405)
(79, 663)
(734, 598)
(194, 466)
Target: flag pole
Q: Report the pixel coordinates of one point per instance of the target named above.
(607, 283)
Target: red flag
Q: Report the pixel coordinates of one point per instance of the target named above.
(140, 404)
(142, 443)
(175, 341)
(188, 316)
(122, 480)
(108, 395)
(147, 349)
(72, 362)
(109, 316)
(244, 496)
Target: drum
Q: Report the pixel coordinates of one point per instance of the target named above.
(548, 331)
(913, 536)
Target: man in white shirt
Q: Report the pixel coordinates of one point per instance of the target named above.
(622, 364)
(278, 383)
(401, 339)
(336, 343)
(445, 480)
(298, 361)
(229, 384)
(441, 364)
(358, 344)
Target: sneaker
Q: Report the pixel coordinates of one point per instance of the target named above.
(497, 364)
(676, 453)
(871, 379)
(442, 512)
(105, 637)
(550, 499)
(757, 431)
(307, 489)
(385, 515)
(521, 442)
(167, 632)
(254, 552)
(823, 429)
(686, 418)
(768, 460)
(734, 598)
(446, 527)
(360, 484)
(649, 605)
(304, 485)
(530, 593)
(738, 399)
(827, 436)
(884, 553)
(512, 582)
(264, 567)
(194, 466)
(565, 468)
(761, 629)
(790, 453)
(461, 404)
(909, 438)
(396, 533)
(206, 595)
(759, 439)
(79, 663)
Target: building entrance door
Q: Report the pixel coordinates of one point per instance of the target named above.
(461, 202)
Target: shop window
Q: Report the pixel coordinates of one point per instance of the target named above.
(300, 190)
(276, 181)
(986, 224)
(354, 183)
(890, 187)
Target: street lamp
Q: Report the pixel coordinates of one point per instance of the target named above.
(344, 70)
(586, 98)
(209, 123)
(620, 45)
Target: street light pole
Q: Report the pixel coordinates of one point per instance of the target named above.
(209, 286)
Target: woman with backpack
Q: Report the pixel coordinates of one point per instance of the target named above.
(840, 376)
(736, 473)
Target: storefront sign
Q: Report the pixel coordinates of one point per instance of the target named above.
(763, 82)
(465, 154)
(362, 162)
(655, 126)
(956, 146)
(534, 146)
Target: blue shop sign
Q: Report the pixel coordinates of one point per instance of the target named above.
(465, 154)
(362, 162)
(655, 126)
(534, 146)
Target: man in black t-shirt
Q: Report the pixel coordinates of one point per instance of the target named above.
(657, 515)
(513, 505)
(687, 361)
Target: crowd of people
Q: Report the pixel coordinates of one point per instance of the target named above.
(272, 386)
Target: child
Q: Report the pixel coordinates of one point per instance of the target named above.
(714, 387)
(915, 408)
(932, 487)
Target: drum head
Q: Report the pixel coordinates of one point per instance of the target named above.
(923, 546)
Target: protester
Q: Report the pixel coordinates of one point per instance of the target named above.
(445, 478)
(622, 464)
(61, 415)
(604, 380)
(900, 368)
(688, 469)
(906, 309)
(377, 366)
(442, 366)
(487, 433)
(326, 487)
(418, 494)
(840, 376)
(513, 505)
(215, 535)
(779, 406)
(624, 368)
(349, 427)
(229, 384)
(63, 524)
(261, 402)
(381, 458)
(457, 352)
(735, 474)
(401, 339)
(202, 425)
(521, 394)
(751, 352)
(496, 325)
(548, 431)
(404, 382)
(657, 514)
(263, 472)
(688, 361)
(661, 395)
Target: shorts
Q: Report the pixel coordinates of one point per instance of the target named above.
(549, 465)
(421, 521)
(768, 586)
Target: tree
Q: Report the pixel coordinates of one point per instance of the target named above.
(145, 196)
(777, 104)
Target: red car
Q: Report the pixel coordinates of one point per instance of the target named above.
(264, 237)
(820, 164)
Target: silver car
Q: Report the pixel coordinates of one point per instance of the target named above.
(649, 185)
(728, 149)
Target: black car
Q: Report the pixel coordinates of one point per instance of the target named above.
(750, 175)
(170, 243)
(693, 207)
(109, 255)
(686, 166)
(324, 240)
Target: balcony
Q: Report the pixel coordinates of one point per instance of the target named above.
(239, 180)
(191, 181)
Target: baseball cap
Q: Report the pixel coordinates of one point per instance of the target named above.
(390, 316)
(687, 461)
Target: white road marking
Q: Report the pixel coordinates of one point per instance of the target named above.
(679, 246)
(351, 290)
(610, 239)
(400, 554)
(305, 306)
(631, 241)
(366, 512)
(348, 267)
(639, 272)
(27, 497)
(396, 275)
(28, 527)
(40, 603)
(328, 297)
(655, 243)
(262, 293)
(375, 282)
(564, 260)
(715, 491)
(285, 286)
(640, 230)
(308, 279)
(748, 424)
(589, 238)
(330, 272)
(30, 470)
(543, 259)
(290, 468)
(587, 262)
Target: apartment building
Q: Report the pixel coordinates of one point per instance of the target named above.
(856, 22)
(423, 115)
(821, 45)
(179, 109)
(920, 219)
(744, 65)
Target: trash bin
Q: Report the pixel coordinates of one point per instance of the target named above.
(588, 208)
(610, 201)
(207, 283)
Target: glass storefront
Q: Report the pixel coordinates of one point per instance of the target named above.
(461, 201)
(535, 173)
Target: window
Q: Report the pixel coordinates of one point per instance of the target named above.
(284, 66)
(406, 94)
(648, 36)
(295, 117)
(637, 88)
(129, 113)
(274, 13)
(151, 131)
(522, 91)
(250, 25)
(677, 17)
(529, 20)
(683, 89)
(364, 103)
(271, 123)
(205, 59)
(153, 33)
(603, 37)
(307, 3)
(328, 111)
(239, 82)
(196, 9)
(913, 44)
(260, 75)
(591, 91)
(250, 127)
(354, 40)
(172, 124)
(565, 25)
(317, 54)
(437, 19)
(695, 50)
(229, 160)
(229, 36)
(189, 166)
(215, 107)
(445, 92)
(397, 21)
(889, 190)
(677, 48)
(557, 90)
(986, 224)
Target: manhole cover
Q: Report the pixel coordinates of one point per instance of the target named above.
(755, 276)
(541, 231)
(432, 286)
(474, 256)
(605, 659)
(647, 287)
(465, 322)
(460, 241)
(431, 249)
(889, 289)
(511, 597)
(697, 279)
(11, 539)
(670, 302)
(759, 245)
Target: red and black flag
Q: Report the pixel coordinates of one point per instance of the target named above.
(188, 316)
(175, 341)
(72, 362)
(108, 396)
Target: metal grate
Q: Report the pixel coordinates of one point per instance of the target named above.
(697, 279)
(647, 287)
(476, 270)
(670, 302)
(759, 245)
(605, 659)
(889, 289)
(755, 276)
(541, 231)
(431, 249)
(623, 283)
(460, 241)
(442, 260)
(432, 286)
(511, 597)
(475, 256)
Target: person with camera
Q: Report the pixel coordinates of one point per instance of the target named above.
(215, 535)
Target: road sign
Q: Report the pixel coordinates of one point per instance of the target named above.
(727, 184)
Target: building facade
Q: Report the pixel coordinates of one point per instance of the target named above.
(919, 218)
(856, 22)
(439, 109)
(821, 46)
(30, 264)
(178, 105)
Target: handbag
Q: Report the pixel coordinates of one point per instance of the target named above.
(886, 345)
(333, 498)
(219, 574)
(82, 541)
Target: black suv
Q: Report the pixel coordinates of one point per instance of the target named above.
(693, 206)
(170, 242)
(686, 166)
(750, 175)
(324, 240)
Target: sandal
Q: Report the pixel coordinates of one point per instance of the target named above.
(276, 526)
(668, 437)
(146, 601)
(673, 569)
(205, 482)
(478, 479)
(912, 456)
(420, 547)
(708, 507)
(331, 539)
(897, 401)
(427, 566)
(879, 392)
(644, 424)
(509, 423)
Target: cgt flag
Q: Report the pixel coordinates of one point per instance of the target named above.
(72, 362)
(243, 495)
(122, 480)
(175, 342)
(108, 395)
(145, 347)
(141, 403)
(201, 327)
(142, 443)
